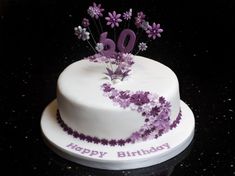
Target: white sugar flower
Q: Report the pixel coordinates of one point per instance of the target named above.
(144, 25)
(81, 33)
(85, 35)
(78, 32)
(99, 47)
(142, 46)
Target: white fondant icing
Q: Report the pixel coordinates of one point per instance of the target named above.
(84, 108)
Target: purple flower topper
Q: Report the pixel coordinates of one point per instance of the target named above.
(126, 41)
(113, 19)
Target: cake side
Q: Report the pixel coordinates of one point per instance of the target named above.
(84, 108)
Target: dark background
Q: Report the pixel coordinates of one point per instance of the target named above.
(37, 43)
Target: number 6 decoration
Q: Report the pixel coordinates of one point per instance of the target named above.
(109, 45)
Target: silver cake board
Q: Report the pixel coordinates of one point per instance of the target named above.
(129, 156)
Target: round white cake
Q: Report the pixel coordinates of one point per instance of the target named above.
(84, 108)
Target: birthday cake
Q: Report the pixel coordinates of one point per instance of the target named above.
(116, 98)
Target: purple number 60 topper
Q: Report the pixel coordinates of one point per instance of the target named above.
(110, 47)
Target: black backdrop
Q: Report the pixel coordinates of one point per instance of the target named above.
(37, 43)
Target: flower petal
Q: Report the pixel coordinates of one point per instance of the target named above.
(159, 35)
(118, 15)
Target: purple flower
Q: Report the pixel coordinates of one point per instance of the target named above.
(162, 100)
(164, 115)
(70, 131)
(85, 22)
(124, 95)
(167, 106)
(89, 139)
(119, 57)
(112, 142)
(155, 110)
(96, 140)
(95, 11)
(121, 142)
(140, 98)
(139, 19)
(135, 136)
(154, 31)
(82, 136)
(104, 141)
(127, 15)
(107, 88)
(124, 104)
(118, 73)
(113, 19)
(142, 46)
(75, 134)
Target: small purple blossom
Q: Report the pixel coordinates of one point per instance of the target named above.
(104, 141)
(95, 11)
(112, 142)
(107, 88)
(124, 95)
(85, 23)
(82, 136)
(121, 142)
(135, 136)
(113, 19)
(139, 98)
(124, 104)
(123, 63)
(119, 57)
(127, 15)
(167, 106)
(162, 100)
(154, 31)
(155, 111)
(96, 140)
(89, 138)
(164, 115)
(142, 46)
(75, 134)
(139, 19)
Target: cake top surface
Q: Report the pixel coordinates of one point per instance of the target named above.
(82, 80)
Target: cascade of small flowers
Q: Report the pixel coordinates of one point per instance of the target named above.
(118, 59)
(153, 108)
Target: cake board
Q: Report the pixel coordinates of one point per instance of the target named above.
(129, 156)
